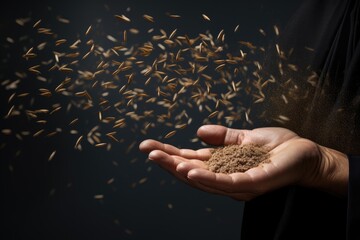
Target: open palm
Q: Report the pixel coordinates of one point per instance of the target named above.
(293, 160)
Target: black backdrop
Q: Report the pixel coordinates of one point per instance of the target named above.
(55, 200)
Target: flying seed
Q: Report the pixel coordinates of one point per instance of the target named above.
(98, 196)
(88, 30)
(276, 29)
(213, 114)
(236, 28)
(206, 17)
(52, 155)
(100, 144)
(37, 24)
(148, 18)
(123, 18)
(78, 142)
(170, 134)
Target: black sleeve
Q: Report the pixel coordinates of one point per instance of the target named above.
(295, 213)
(353, 216)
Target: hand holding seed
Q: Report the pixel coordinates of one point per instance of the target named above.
(292, 161)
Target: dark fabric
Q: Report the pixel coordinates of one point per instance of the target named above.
(295, 213)
(353, 214)
(329, 116)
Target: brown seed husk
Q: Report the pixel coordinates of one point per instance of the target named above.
(237, 158)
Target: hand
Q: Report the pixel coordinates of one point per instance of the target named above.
(293, 161)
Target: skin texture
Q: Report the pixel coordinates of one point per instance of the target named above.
(293, 161)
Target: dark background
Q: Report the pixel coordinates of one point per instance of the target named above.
(55, 200)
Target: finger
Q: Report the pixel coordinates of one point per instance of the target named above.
(168, 162)
(165, 160)
(150, 145)
(220, 135)
(229, 183)
(246, 196)
(180, 167)
(184, 167)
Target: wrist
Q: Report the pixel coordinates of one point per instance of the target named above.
(333, 172)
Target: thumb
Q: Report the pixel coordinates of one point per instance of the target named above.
(220, 135)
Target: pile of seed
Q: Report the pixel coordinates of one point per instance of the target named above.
(237, 158)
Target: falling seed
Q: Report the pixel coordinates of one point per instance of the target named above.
(100, 144)
(78, 142)
(110, 181)
(38, 133)
(174, 15)
(111, 38)
(213, 114)
(6, 131)
(123, 18)
(111, 135)
(143, 180)
(236, 28)
(170, 134)
(148, 18)
(172, 34)
(63, 20)
(125, 36)
(206, 17)
(99, 196)
(37, 24)
(10, 40)
(285, 118)
(10, 111)
(278, 49)
(60, 41)
(181, 126)
(88, 30)
(52, 155)
(276, 29)
(284, 98)
(262, 32)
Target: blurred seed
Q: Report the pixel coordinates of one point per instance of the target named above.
(99, 196)
(123, 18)
(88, 30)
(52, 155)
(170, 134)
(78, 142)
(206, 17)
(37, 23)
(213, 114)
(148, 18)
(276, 29)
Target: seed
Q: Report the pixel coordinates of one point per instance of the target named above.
(213, 114)
(52, 155)
(170, 134)
(99, 196)
(100, 144)
(276, 29)
(77, 144)
(37, 23)
(148, 18)
(123, 18)
(206, 17)
(88, 30)
(236, 28)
